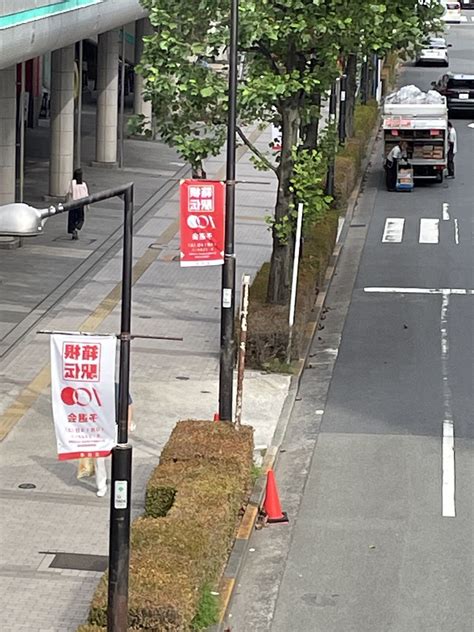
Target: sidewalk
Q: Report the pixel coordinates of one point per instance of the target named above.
(170, 380)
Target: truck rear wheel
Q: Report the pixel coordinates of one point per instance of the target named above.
(440, 177)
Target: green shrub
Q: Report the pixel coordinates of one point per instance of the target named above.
(179, 548)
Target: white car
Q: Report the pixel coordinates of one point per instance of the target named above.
(452, 13)
(434, 51)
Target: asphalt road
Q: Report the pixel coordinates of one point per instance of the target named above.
(381, 532)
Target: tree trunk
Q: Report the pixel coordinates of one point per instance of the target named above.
(279, 282)
(310, 131)
(364, 82)
(351, 72)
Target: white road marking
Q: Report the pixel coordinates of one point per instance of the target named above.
(393, 231)
(445, 211)
(456, 231)
(448, 487)
(449, 472)
(418, 290)
(429, 231)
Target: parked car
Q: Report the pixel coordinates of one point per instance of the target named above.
(434, 51)
(458, 90)
(452, 13)
(467, 4)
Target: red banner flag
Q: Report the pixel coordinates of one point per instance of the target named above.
(202, 206)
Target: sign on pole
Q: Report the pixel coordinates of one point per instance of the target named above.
(202, 205)
(83, 395)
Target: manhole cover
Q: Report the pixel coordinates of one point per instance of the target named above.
(27, 486)
(79, 562)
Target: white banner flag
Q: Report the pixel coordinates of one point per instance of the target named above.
(83, 395)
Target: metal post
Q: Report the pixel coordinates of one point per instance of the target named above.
(364, 81)
(294, 282)
(244, 310)
(375, 75)
(228, 269)
(342, 110)
(332, 119)
(22, 132)
(119, 543)
(77, 145)
(122, 103)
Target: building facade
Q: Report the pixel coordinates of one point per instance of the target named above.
(53, 53)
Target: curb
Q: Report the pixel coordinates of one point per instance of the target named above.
(239, 551)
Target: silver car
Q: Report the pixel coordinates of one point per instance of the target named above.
(434, 51)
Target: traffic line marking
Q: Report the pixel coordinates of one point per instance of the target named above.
(448, 477)
(449, 472)
(418, 290)
(445, 211)
(393, 231)
(456, 231)
(429, 231)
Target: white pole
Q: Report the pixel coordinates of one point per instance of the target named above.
(244, 310)
(294, 283)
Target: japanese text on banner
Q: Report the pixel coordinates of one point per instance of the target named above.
(83, 395)
(202, 205)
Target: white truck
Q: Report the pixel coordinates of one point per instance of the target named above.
(424, 126)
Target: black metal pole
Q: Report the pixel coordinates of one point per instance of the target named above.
(332, 118)
(120, 502)
(342, 110)
(364, 81)
(228, 269)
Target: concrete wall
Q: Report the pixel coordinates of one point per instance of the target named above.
(15, 6)
(31, 39)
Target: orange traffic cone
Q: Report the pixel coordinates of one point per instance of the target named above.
(271, 504)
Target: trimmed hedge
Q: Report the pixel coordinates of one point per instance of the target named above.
(267, 335)
(349, 159)
(179, 547)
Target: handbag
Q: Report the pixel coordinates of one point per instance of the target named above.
(85, 467)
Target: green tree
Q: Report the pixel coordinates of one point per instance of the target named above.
(291, 50)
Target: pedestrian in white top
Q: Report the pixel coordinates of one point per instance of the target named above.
(452, 148)
(77, 190)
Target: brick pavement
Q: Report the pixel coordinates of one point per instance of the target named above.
(170, 381)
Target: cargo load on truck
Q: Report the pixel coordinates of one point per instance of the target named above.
(421, 120)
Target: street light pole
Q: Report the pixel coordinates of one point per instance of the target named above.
(24, 220)
(120, 497)
(226, 368)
